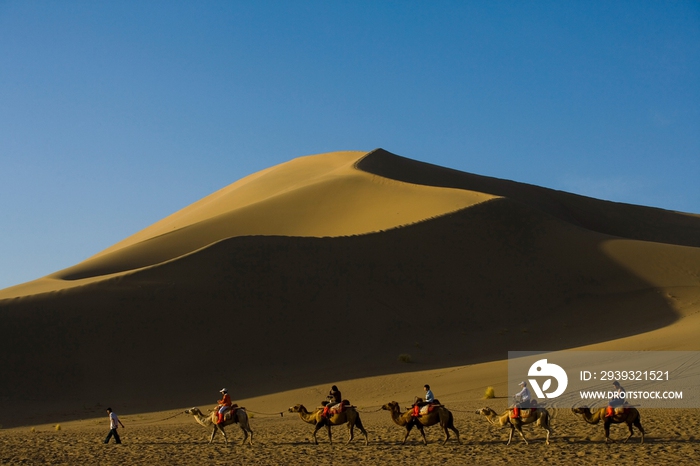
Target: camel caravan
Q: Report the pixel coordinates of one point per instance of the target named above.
(335, 411)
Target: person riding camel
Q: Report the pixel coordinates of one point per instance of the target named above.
(222, 405)
(418, 402)
(618, 399)
(334, 397)
(522, 400)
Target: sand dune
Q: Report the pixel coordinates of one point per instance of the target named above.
(326, 269)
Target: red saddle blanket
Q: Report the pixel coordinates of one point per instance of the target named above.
(610, 411)
(424, 409)
(337, 408)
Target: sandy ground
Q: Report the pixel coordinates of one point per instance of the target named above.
(672, 438)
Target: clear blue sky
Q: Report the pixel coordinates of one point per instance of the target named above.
(116, 114)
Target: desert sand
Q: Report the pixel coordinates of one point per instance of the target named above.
(324, 270)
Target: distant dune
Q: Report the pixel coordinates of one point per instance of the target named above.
(327, 268)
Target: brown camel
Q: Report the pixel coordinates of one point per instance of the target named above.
(629, 416)
(240, 418)
(349, 415)
(407, 420)
(538, 415)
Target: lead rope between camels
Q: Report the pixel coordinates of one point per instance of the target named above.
(366, 412)
(281, 413)
(157, 420)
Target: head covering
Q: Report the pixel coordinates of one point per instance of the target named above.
(223, 390)
(522, 383)
(616, 383)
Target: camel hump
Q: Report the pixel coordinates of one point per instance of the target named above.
(230, 414)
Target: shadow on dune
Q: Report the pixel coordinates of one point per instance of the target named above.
(611, 218)
(265, 314)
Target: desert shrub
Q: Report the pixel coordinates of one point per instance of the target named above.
(490, 393)
(405, 358)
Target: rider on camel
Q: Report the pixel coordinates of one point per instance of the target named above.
(419, 403)
(334, 397)
(522, 400)
(618, 399)
(222, 405)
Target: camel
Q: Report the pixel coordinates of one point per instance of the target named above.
(629, 416)
(240, 418)
(349, 415)
(538, 415)
(406, 419)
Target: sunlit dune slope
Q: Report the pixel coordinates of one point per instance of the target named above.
(347, 263)
(322, 195)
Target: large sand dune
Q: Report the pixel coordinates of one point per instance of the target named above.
(326, 269)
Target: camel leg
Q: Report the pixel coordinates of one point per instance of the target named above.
(250, 439)
(606, 426)
(245, 434)
(451, 426)
(520, 431)
(351, 433)
(318, 426)
(629, 426)
(213, 434)
(510, 437)
(408, 431)
(454, 429)
(544, 423)
(447, 434)
(359, 425)
(422, 432)
(638, 425)
(330, 439)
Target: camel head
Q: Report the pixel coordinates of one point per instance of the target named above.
(486, 412)
(581, 410)
(193, 411)
(391, 406)
(297, 409)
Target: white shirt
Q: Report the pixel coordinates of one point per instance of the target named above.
(113, 420)
(523, 395)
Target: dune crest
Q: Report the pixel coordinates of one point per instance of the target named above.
(316, 196)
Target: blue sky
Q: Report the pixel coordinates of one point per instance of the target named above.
(114, 115)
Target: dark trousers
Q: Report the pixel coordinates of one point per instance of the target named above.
(116, 436)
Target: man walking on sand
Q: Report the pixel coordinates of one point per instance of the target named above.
(114, 424)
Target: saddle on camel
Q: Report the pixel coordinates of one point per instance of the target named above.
(334, 403)
(421, 408)
(331, 409)
(611, 411)
(521, 412)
